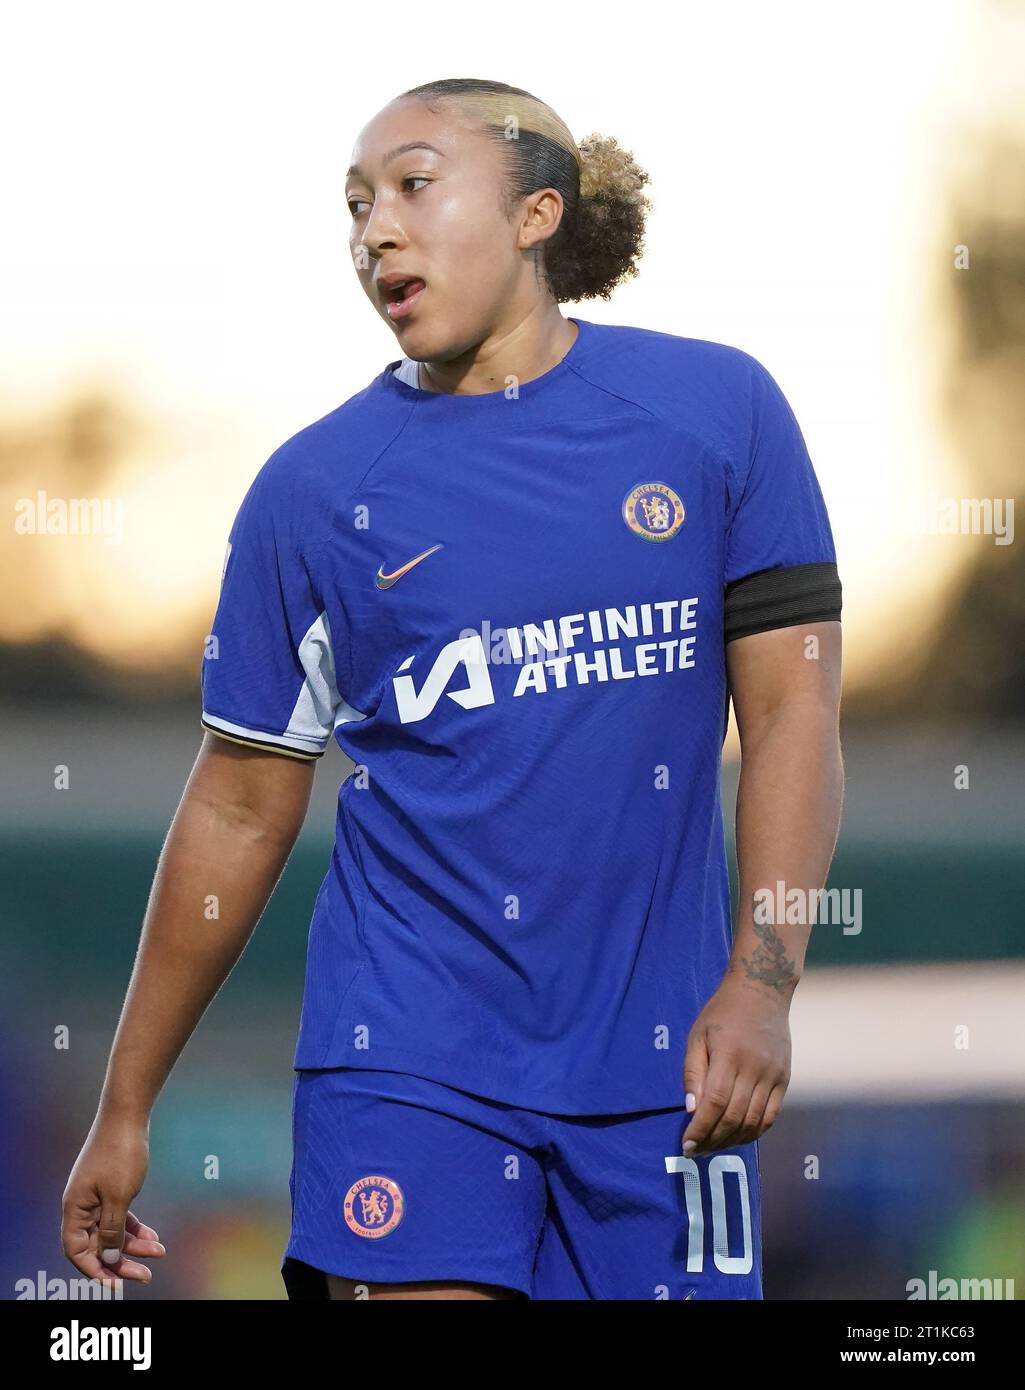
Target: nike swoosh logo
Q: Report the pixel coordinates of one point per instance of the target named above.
(385, 581)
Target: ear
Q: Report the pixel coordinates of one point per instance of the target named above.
(542, 216)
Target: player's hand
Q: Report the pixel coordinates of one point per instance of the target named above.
(107, 1175)
(737, 1067)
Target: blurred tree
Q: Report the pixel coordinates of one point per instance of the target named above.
(975, 664)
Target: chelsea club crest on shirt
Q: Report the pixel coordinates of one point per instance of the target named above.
(654, 511)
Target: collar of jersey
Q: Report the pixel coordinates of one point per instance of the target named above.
(462, 406)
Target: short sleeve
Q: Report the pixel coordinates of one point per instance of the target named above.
(780, 568)
(268, 674)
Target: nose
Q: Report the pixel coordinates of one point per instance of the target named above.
(382, 231)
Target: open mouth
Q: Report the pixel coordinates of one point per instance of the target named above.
(400, 299)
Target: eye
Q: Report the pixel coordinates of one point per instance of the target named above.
(355, 204)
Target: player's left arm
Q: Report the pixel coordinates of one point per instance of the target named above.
(785, 685)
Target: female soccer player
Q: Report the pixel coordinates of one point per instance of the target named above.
(517, 578)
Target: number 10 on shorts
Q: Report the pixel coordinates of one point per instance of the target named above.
(719, 1165)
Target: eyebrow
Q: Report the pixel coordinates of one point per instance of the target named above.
(394, 154)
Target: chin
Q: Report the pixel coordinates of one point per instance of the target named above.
(433, 339)
(423, 346)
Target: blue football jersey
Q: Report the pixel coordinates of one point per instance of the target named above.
(511, 611)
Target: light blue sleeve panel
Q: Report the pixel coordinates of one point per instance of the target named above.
(268, 675)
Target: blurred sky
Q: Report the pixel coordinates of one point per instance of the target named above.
(176, 237)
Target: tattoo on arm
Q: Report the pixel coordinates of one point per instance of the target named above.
(769, 964)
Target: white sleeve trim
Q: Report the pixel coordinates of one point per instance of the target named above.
(303, 745)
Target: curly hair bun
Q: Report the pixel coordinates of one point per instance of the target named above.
(605, 235)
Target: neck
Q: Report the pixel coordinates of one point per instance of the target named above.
(532, 346)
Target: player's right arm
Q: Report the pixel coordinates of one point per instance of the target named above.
(271, 703)
(237, 822)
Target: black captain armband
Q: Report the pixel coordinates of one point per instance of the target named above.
(784, 597)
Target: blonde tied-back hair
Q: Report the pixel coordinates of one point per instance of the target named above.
(601, 235)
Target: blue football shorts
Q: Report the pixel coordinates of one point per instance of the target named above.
(396, 1179)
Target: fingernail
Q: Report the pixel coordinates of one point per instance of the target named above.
(111, 1257)
(691, 1102)
(689, 1148)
